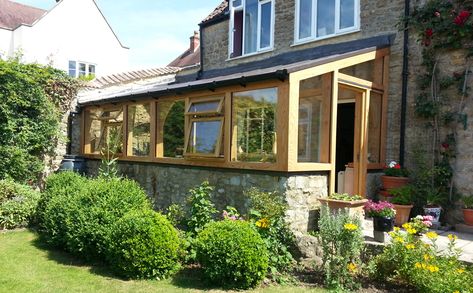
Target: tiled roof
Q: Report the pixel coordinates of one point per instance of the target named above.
(220, 10)
(14, 14)
(188, 58)
(130, 76)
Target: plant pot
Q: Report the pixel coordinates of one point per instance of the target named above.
(433, 211)
(402, 214)
(382, 224)
(354, 207)
(391, 182)
(384, 195)
(468, 216)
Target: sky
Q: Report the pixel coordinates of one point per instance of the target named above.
(157, 31)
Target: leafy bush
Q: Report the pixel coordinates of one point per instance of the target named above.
(232, 254)
(144, 244)
(17, 204)
(201, 208)
(407, 259)
(341, 239)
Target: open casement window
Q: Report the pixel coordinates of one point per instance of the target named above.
(205, 127)
(317, 19)
(139, 130)
(251, 26)
(104, 130)
(254, 116)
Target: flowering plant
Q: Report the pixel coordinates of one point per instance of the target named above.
(382, 209)
(394, 169)
(418, 225)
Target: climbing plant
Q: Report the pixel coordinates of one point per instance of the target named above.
(443, 29)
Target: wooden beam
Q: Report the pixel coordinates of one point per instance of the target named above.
(333, 133)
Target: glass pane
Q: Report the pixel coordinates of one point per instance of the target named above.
(171, 128)
(199, 107)
(315, 97)
(105, 130)
(82, 69)
(204, 137)
(363, 70)
(139, 123)
(305, 19)
(72, 68)
(374, 127)
(251, 26)
(325, 17)
(236, 3)
(265, 33)
(92, 69)
(254, 114)
(347, 13)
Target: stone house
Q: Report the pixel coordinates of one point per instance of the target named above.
(286, 96)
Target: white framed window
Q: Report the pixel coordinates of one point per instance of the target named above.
(251, 26)
(320, 19)
(78, 68)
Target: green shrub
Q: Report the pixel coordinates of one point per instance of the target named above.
(232, 254)
(144, 244)
(201, 208)
(341, 239)
(17, 204)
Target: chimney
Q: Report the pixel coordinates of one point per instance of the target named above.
(195, 41)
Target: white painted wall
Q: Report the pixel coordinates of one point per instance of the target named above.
(5, 42)
(72, 30)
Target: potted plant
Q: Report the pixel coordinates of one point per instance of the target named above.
(468, 209)
(394, 176)
(383, 215)
(434, 205)
(402, 202)
(336, 202)
(418, 225)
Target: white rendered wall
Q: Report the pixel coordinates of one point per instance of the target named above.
(5, 42)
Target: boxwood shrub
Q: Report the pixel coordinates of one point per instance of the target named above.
(144, 244)
(232, 254)
(17, 204)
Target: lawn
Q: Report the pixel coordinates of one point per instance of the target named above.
(27, 266)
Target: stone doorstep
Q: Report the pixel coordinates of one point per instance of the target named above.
(462, 228)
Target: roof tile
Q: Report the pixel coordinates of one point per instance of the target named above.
(14, 14)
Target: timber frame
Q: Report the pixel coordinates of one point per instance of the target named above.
(287, 120)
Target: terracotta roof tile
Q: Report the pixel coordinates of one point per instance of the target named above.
(130, 76)
(14, 14)
(220, 10)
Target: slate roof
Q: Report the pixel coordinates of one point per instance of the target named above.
(130, 76)
(13, 14)
(219, 11)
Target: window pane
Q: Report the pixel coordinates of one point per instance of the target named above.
(105, 130)
(254, 119)
(91, 69)
(265, 25)
(325, 17)
(374, 127)
(171, 128)
(208, 106)
(204, 137)
(82, 69)
(315, 96)
(236, 3)
(72, 68)
(251, 25)
(305, 19)
(139, 123)
(347, 13)
(363, 70)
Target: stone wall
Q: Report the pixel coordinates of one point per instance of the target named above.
(170, 184)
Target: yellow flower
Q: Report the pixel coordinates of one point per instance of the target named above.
(410, 246)
(352, 267)
(411, 231)
(407, 226)
(456, 291)
(263, 223)
(432, 235)
(427, 257)
(399, 239)
(460, 271)
(433, 269)
(418, 265)
(350, 227)
(396, 229)
(452, 237)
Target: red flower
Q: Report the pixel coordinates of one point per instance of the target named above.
(462, 17)
(397, 166)
(429, 32)
(445, 145)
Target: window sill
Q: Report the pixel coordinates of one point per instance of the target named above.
(251, 54)
(313, 40)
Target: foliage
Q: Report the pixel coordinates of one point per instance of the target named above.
(418, 225)
(176, 215)
(31, 100)
(342, 241)
(17, 204)
(395, 170)
(144, 244)
(173, 130)
(201, 207)
(108, 168)
(267, 212)
(345, 197)
(402, 195)
(382, 209)
(232, 254)
(467, 202)
(407, 259)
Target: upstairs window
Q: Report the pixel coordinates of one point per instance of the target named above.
(78, 69)
(251, 26)
(317, 19)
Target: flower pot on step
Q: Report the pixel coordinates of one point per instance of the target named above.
(354, 207)
(468, 216)
(402, 214)
(383, 224)
(391, 182)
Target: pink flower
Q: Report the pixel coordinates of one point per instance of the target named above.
(429, 32)
(428, 218)
(427, 223)
(462, 17)
(437, 14)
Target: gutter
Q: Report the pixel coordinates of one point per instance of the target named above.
(405, 79)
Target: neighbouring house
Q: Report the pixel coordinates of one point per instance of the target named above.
(191, 57)
(287, 94)
(73, 36)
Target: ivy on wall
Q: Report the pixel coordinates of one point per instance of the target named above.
(32, 99)
(444, 28)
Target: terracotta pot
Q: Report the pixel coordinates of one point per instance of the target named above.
(468, 216)
(354, 207)
(402, 213)
(384, 195)
(383, 224)
(391, 182)
(433, 211)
